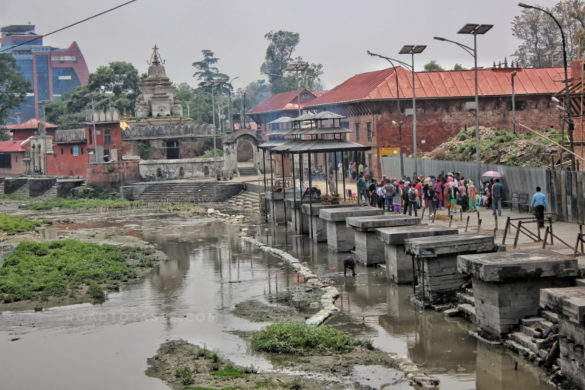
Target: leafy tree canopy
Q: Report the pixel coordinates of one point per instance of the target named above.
(433, 67)
(13, 86)
(279, 55)
(458, 67)
(541, 37)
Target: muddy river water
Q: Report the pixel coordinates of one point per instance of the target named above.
(191, 296)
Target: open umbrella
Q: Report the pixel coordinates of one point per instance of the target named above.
(492, 174)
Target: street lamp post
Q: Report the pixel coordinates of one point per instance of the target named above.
(570, 124)
(43, 103)
(474, 29)
(214, 83)
(513, 75)
(399, 123)
(412, 50)
(298, 67)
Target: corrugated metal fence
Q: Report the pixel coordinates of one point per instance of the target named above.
(565, 190)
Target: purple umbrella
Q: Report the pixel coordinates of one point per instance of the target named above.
(492, 174)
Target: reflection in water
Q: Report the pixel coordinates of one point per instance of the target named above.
(443, 346)
(210, 270)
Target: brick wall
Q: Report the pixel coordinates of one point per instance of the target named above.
(113, 173)
(437, 120)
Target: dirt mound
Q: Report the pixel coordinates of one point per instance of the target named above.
(500, 147)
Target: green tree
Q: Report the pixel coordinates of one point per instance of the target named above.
(458, 67)
(279, 54)
(205, 70)
(541, 38)
(433, 67)
(13, 86)
(121, 79)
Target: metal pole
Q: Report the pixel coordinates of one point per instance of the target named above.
(477, 153)
(310, 195)
(295, 207)
(272, 190)
(264, 172)
(283, 187)
(414, 119)
(514, 105)
(214, 133)
(343, 172)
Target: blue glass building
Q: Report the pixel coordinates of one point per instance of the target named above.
(52, 72)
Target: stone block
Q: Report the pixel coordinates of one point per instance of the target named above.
(342, 213)
(368, 249)
(371, 223)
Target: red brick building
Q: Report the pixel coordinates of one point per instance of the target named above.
(369, 102)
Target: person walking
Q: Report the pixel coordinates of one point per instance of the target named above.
(497, 193)
(539, 204)
(362, 189)
(389, 192)
(429, 195)
(472, 197)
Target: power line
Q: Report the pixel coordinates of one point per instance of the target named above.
(68, 26)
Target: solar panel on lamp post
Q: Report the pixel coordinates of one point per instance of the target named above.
(570, 123)
(412, 50)
(399, 123)
(474, 29)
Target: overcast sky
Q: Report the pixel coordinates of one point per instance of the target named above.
(335, 33)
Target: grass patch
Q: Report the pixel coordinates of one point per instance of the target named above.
(230, 372)
(73, 203)
(36, 271)
(185, 375)
(293, 338)
(12, 224)
(13, 197)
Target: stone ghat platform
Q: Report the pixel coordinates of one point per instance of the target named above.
(310, 212)
(399, 267)
(569, 304)
(436, 262)
(340, 237)
(506, 285)
(369, 249)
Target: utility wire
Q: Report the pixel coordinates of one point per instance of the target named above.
(68, 26)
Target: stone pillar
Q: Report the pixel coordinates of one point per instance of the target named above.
(369, 249)
(340, 237)
(506, 285)
(398, 262)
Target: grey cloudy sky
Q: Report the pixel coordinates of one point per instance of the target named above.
(335, 33)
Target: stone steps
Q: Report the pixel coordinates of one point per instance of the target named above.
(188, 192)
(248, 171)
(468, 311)
(246, 201)
(534, 345)
(465, 297)
(520, 349)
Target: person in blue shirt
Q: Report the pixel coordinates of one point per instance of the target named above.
(539, 204)
(497, 195)
(362, 190)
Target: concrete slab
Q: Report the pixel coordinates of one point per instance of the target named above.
(340, 237)
(368, 248)
(275, 202)
(398, 262)
(311, 214)
(436, 262)
(506, 285)
(299, 222)
(517, 265)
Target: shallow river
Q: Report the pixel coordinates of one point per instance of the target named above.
(191, 297)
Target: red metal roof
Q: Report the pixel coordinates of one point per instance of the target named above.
(30, 124)
(279, 102)
(11, 146)
(381, 84)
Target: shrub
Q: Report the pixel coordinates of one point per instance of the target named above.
(296, 338)
(185, 375)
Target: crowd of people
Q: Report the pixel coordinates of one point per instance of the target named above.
(449, 190)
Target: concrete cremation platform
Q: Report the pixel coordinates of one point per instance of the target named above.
(340, 237)
(569, 304)
(436, 262)
(369, 249)
(319, 227)
(298, 223)
(275, 202)
(398, 262)
(506, 285)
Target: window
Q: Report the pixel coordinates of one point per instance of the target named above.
(369, 130)
(90, 137)
(82, 150)
(5, 160)
(357, 132)
(62, 150)
(107, 136)
(76, 150)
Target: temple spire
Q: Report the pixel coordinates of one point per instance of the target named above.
(155, 57)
